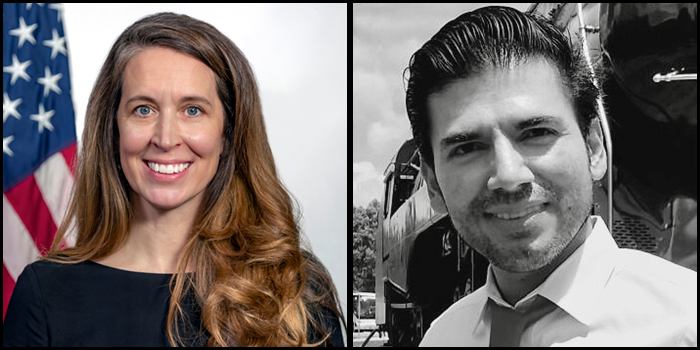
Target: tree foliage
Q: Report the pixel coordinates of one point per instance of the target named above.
(364, 227)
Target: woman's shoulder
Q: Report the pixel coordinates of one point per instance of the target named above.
(72, 275)
(42, 273)
(45, 268)
(325, 323)
(321, 300)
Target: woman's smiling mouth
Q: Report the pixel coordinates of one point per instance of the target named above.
(167, 172)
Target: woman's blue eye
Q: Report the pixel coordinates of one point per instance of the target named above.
(143, 110)
(193, 110)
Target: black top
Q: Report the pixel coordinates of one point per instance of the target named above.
(89, 304)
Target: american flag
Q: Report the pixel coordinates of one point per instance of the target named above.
(38, 135)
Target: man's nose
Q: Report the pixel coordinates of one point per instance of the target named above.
(509, 168)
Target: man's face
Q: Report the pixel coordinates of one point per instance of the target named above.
(511, 165)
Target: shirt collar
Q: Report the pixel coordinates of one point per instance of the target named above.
(575, 284)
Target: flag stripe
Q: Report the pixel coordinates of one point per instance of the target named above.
(55, 181)
(8, 284)
(27, 201)
(70, 156)
(39, 141)
(18, 248)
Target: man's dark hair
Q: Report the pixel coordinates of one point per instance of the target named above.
(493, 37)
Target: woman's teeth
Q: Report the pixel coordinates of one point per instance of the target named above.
(168, 169)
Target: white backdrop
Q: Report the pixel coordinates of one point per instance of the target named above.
(299, 55)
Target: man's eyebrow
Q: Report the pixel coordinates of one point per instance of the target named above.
(461, 137)
(184, 99)
(536, 120)
(466, 136)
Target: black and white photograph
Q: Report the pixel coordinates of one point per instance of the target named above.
(524, 175)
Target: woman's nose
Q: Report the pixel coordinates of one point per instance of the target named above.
(167, 133)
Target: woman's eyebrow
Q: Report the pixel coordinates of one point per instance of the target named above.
(184, 99)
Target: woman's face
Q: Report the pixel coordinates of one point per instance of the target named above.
(171, 125)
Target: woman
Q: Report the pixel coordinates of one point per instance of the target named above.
(185, 234)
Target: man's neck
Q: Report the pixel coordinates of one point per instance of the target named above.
(516, 285)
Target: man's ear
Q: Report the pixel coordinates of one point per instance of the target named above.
(437, 201)
(596, 151)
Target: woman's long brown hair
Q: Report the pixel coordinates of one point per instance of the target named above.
(253, 281)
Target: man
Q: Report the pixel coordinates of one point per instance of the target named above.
(504, 114)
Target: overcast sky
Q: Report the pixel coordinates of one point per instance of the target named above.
(384, 36)
(299, 55)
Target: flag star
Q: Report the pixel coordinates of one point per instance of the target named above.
(17, 69)
(57, 44)
(50, 82)
(59, 9)
(43, 118)
(24, 32)
(29, 5)
(10, 107)
(6, 145)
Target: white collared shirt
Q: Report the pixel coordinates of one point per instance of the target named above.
(606, 296)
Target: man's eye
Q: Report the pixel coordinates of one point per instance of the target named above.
(465, 149)
(539, 132)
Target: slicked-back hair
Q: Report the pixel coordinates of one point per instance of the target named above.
(487, 38)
